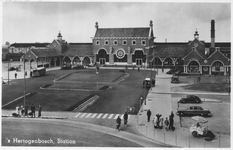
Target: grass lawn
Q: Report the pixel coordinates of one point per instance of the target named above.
(208, 87)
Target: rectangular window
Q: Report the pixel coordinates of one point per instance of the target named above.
(115, 42)
(124, 42)
(143, 42)
(97, 42)
(106, 42)
(134, 42)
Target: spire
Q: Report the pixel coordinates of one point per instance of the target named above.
(59, 36)
(196, 35)
(96, 25)
(151, 23)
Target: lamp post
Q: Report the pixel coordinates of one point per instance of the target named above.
(24, 101)
(8, 69)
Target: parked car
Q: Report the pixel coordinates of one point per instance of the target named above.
(175, 79)
(78, 67)
(193, 111)
(66, 66)
(148, 83)
(12, 68)
(190, 99)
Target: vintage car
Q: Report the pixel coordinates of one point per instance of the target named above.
(66, 66)
(190, 99)
(77, 67)
(148, 83)
(175, 79)
(12, 68)
(193, 111)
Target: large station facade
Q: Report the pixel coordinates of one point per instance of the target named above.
(132, 47)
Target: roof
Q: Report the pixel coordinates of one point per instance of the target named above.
(170, 50)
(45, 52)
(30, 44)
(122, 32)
(219, 44)
(79, 50)
(80, 43)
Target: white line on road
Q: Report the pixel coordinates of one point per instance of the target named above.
(116, 116)
(104, 116)
(88, 115)
(77, 115)
(83, 115)
(99, 115)
(110, 116)
(93, 115)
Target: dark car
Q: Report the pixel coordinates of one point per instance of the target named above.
(193, 111)
(78, 67)
(148, 83)
(66, 66)
(175, 79)
(12, 68)
(190, 99)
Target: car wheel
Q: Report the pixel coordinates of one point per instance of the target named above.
(195, 134)
(181, 114)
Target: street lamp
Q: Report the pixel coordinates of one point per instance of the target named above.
(9, 68)
(24, 81)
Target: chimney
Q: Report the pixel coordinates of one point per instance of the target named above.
(212, 31)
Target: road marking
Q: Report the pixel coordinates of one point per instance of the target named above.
(93, 115)
(104, 116)
(88, 115)
(83, 115)
(110, 116)
(77, 115)
(116, 116)
(99, 115)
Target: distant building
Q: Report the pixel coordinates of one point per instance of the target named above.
(133, 46)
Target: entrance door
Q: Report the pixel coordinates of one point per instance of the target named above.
(102, 61)
(138, 61)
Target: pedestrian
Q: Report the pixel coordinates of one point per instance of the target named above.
(26, 110)
(22, 111)
(118, 121)
(155, 121)
(25, 73)
(15, 75)
(138, 69)
(19, 110)
(158, 119)
(33, 110)
(171, 122)
(31, 74)
(39, 111)
(166, 122)
(161, 123)
(148, 115)
(126, 118)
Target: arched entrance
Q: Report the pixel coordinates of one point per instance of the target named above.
(102, 57)
(157, 62)
(179, 62)
(193, 67)
(168, 62)
(139, 57)
(217, 68)
(66, 60)
(86, 61)
(76, 60)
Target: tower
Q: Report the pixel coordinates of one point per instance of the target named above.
(59, 36)
(196, 35)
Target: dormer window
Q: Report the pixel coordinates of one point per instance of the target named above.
(134, 42)
(106, 42)
(143, 42)
(124, 42)
(97, 42)
(115, 42)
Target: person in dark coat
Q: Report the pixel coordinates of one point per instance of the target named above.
(171, 120)
(126, 118)
(33, 109)
(39, 111)
(26, 110)
(148, 115)
(118, 121)
(15, 75)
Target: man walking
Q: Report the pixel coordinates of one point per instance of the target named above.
(126, 118)
(39, 111)
(26, 110)
(33, 109)
(148, 115)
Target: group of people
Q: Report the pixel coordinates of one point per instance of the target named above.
(158, 121)
(118, 121)
(24, 112)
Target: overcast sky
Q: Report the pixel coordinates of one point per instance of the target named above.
(176, 22)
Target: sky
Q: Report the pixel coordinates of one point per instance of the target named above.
(29, 22)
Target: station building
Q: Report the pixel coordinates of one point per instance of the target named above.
(135, 47)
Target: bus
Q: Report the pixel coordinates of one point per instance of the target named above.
(38, 72)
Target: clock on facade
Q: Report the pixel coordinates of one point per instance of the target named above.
(195, 44)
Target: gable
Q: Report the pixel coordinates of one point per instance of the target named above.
(217, 55)
(193, 55)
